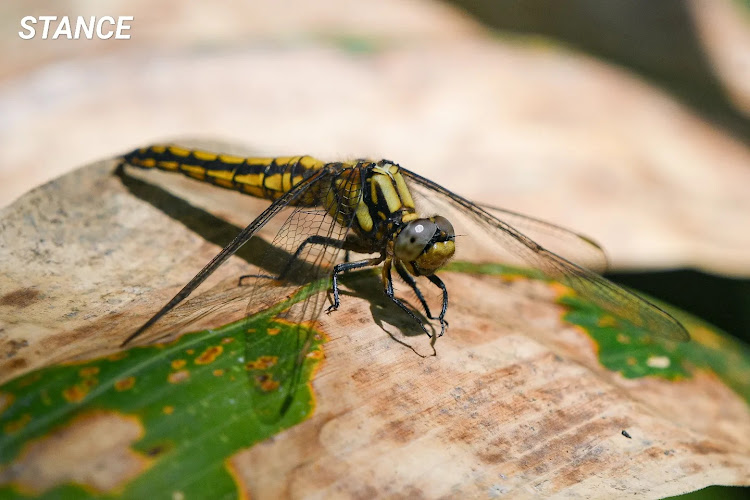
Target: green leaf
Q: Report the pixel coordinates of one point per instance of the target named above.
(180, 411)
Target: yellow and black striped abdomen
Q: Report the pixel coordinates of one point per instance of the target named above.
(268, 178)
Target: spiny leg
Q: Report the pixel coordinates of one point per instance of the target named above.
(404, 274)
(311, 240)
(409, 280)
(388, 282)
(345, 267)
(439, 283)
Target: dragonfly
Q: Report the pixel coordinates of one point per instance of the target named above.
(400, 222)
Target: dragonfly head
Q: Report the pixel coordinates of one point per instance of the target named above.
(425, 245)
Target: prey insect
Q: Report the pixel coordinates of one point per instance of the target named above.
(403, 221)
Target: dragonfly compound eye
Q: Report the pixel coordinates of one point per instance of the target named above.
(445, 226)
(413, 239)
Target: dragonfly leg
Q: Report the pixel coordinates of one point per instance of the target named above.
(388, 281)
(409, 280)
(342, 268)
(311, 240)
(439, 283)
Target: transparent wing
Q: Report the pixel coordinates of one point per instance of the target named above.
(306, 248)
(493, 239)
(570, 245)
(321, 209)
(252, 230)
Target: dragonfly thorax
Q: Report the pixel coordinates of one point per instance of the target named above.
(425, 245)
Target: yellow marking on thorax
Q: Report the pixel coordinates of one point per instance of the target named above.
(363, 216)
(403, 189)
(390, 195)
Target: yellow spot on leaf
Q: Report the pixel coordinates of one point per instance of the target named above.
(273, 331)
(266, 383)
(560, 289)
(177, 377)
(632, 361)
(209, 355)
(117, 356)
(178, 363)
(316, 354)
(125, 384)
(262, 363)
(218, 372)
(6, 399)
(168, 410)
(623, 339)
(707, 338)
(89, 371)
(76, 393)
(190, 352)
(18, 424)
(513, 277)
(227, 340)
(607, 321)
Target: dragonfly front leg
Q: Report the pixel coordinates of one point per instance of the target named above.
(439, 283)
(404, 274)
(388, 282)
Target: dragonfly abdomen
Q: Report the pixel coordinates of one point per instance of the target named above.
(267, 178)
